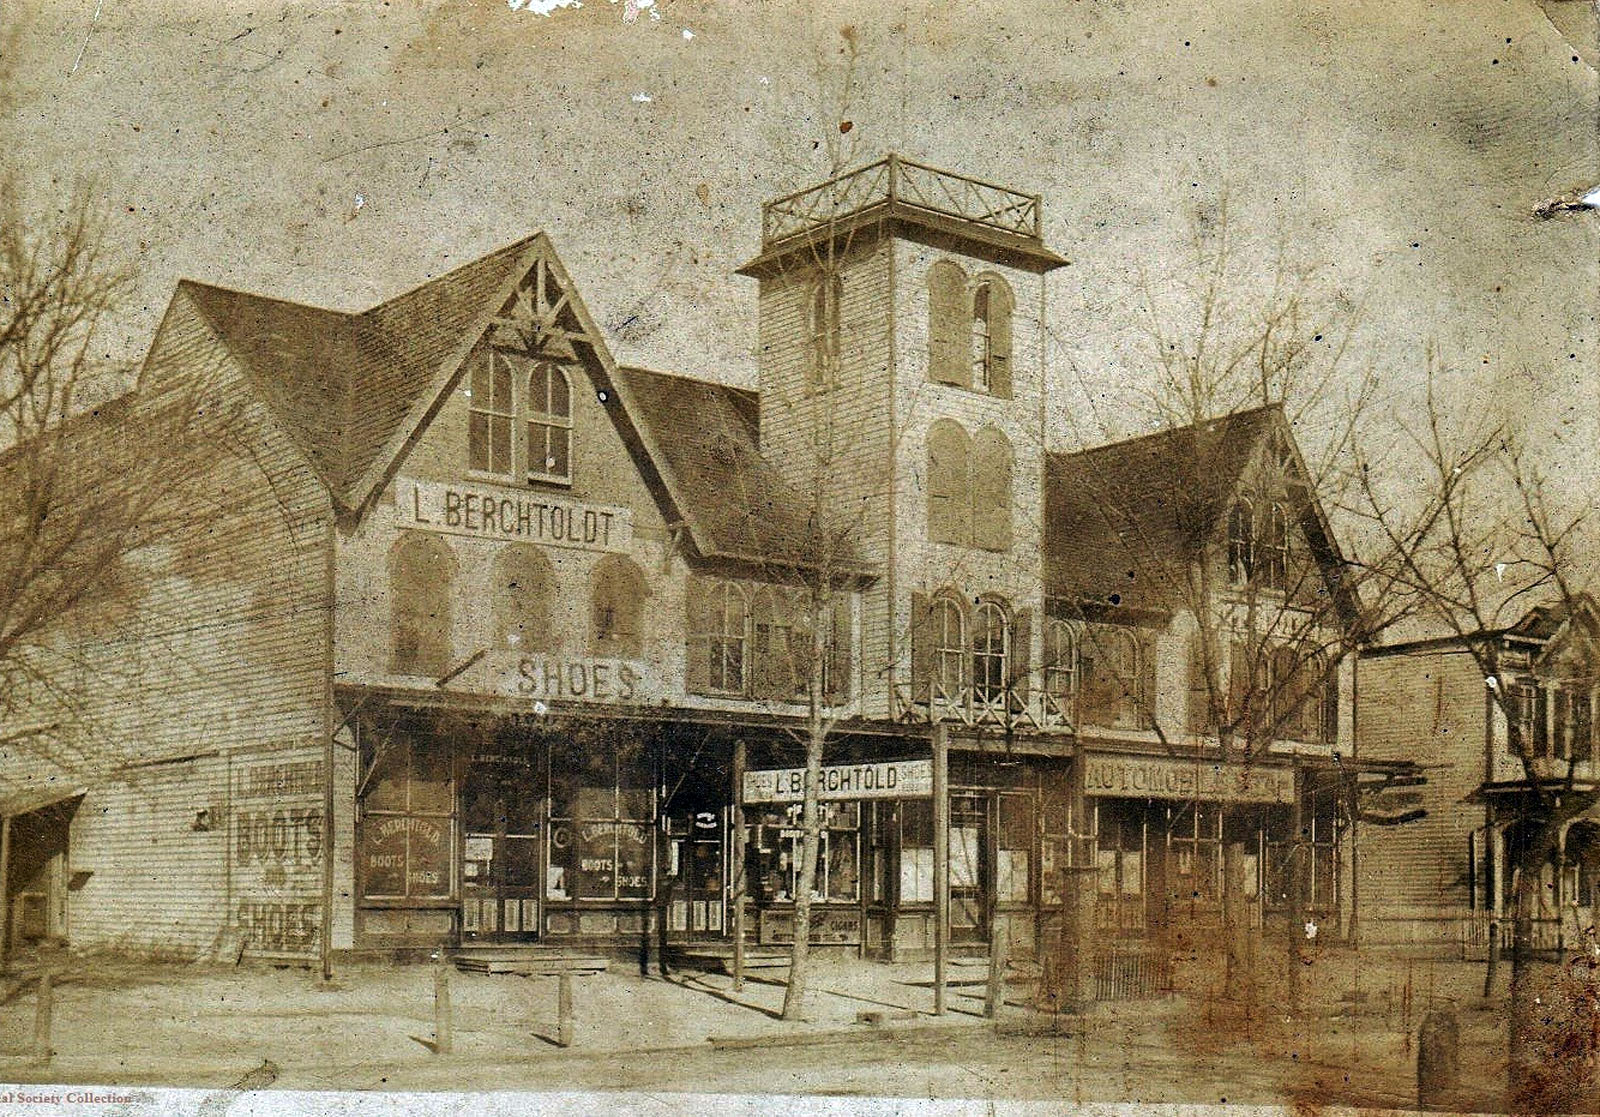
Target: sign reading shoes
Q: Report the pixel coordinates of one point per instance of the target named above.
(497, 512)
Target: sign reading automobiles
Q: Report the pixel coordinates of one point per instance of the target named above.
(1140, 778)
(496, 512)
(276, 820)
(893, 779)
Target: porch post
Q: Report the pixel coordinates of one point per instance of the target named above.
(736, 821)
(5, 894)
(941, 860)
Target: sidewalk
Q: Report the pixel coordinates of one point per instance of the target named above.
(136, 1023)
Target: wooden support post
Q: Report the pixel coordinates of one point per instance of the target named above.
(941, 861)
(44, 1010)
(1299, 852)
(564, 1010)
(443, 1041)
(740, 884)
(994, 997)
(5, 894)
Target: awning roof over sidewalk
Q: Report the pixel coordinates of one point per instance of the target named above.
(28, 800)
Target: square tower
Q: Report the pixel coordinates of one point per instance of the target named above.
(902, 370)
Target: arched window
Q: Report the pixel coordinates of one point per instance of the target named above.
(1111, 683)
(826, 302)
(990, 648)
(1274, 556)
(421, 570)
(1241, 542)
(1060, 665)
(490, 415)
(549, 425)
(949, 507)
(522, 584)
(616, 615)
(949, 316)
(991, 336)
(949, 632)
(991, 490)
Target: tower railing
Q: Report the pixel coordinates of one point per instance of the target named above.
(894, 181)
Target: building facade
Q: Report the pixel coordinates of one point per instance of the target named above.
(497, 614)
(1439, 881)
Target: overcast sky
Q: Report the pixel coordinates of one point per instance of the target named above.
(339, 154)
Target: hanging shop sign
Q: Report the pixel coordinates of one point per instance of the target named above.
(888, 779)
(277, 849)
(496, 512)
(1145, 778)
(550, 678)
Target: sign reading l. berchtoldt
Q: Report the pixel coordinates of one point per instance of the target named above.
(496, 512)
(888, 779)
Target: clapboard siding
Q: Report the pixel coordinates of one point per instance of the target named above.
(1426, 706)
(223, 650)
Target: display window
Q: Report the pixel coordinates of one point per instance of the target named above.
(407, 818)
(602, 822)
(775, 847)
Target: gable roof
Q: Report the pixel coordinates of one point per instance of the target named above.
(1125, 521)
(706, 437)
(343, 384)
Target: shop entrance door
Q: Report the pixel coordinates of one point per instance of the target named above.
(500, 810)
(696, 868)
(970, 879)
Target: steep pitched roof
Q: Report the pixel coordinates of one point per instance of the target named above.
(1125, 522)
(343, 384)
(706, 440)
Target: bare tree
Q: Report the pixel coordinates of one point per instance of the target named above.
(83, 488)
(1484, 539)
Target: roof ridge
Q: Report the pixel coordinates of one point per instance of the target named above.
(259, 297)
(1165, 432)
(518, 245)
(691, 378)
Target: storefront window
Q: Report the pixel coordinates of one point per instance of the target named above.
(1015, 865)
(916, 852)
(775, 842)
(602, 828)
(407, 825)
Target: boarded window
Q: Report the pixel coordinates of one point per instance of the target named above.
(948, 325)
(523, 581)
(421, 571)
(780, 647)
(616, 618)
(949, 508)
(991, 490)
(838, 664)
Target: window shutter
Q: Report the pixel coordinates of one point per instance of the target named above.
(948, 315)
(1200, 719)
(921, 647)
(1541, 722)
(1093, 705)
(1020, 665)
(1000, 308)
(697, 669)
(1330, 704)
(949, 505)
(991, 490)
(840, 660)
(1240, 714)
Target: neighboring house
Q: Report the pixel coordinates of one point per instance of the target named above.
(1436, 883)
(472, 658)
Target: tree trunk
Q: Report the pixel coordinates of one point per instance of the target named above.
(794, 996)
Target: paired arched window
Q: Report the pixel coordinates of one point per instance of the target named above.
(422, 570)
(519, 417)
(756, 641)
(971, 655)
(969, 329)
(616, 615)
(969, 486)
(523, 584)
(1258, 544)
(826, 331)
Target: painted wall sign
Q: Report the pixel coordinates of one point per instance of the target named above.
(276, 838)
(1140, 778)
(554, 678)
(497, 512)
(890, 779)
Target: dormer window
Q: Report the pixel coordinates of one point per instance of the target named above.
(1258, 545)
(520, 414)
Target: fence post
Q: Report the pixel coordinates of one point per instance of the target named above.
(740, 884)
(941, 860)
(442, 1039)
(995, 998)
(44, 1010)
(564, 1010)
